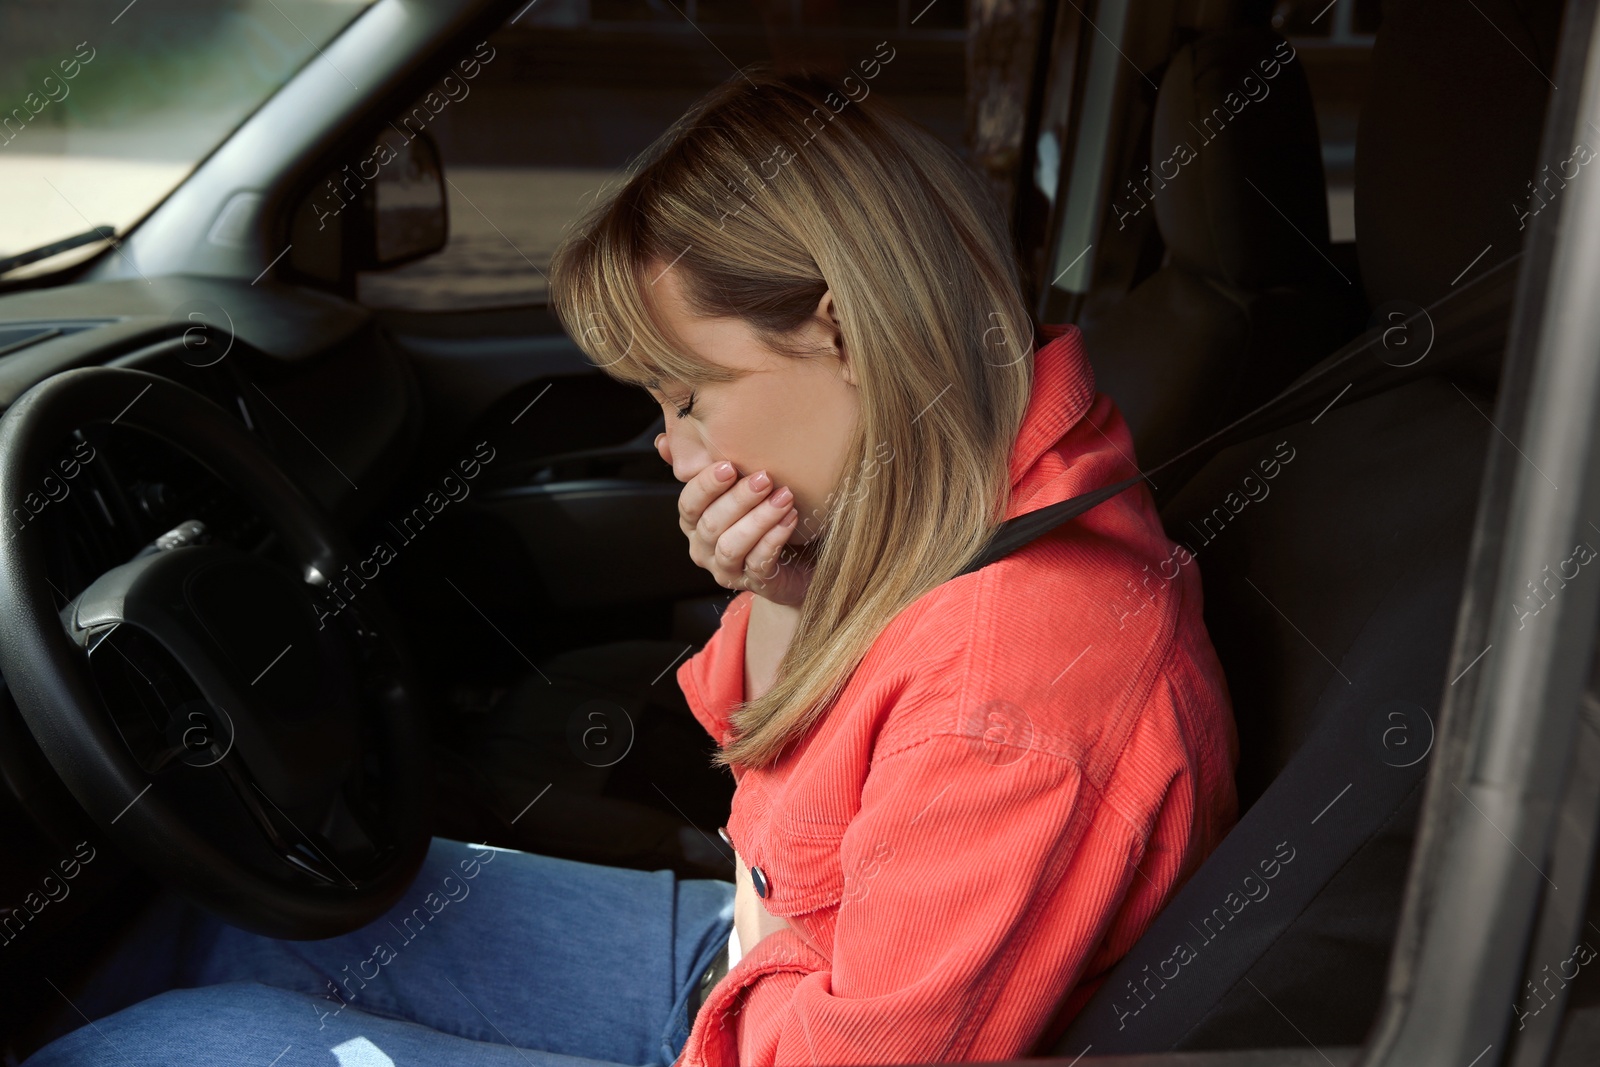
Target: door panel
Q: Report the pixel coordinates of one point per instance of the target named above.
(575, 476)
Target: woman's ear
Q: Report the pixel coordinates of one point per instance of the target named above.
(828, 312)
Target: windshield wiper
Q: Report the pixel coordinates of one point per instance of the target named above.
(22, 259)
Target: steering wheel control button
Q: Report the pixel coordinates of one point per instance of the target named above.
(758, 878)
(191, 532)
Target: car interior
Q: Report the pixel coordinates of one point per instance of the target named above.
(1380, 493)
(1305, 332)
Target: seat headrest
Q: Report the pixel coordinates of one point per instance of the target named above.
(1236, 165)
(1448, 141)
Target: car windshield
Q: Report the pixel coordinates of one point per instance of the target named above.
(105, 109)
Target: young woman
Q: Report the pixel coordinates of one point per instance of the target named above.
(960, 797)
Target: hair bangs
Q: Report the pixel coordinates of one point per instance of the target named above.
(601, 288)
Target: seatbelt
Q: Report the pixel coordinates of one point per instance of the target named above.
(1457, 318)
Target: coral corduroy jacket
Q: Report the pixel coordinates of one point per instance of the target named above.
(1027, 763)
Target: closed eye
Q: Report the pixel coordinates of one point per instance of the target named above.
(684, 411)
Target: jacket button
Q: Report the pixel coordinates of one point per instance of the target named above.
(759, 878)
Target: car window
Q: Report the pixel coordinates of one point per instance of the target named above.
(105, 109)
(566, 92)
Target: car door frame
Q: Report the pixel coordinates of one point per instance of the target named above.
(1511, 716)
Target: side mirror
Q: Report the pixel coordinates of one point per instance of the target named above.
(381, 209)
(409, 218)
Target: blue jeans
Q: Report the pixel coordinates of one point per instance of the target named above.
(492, 957)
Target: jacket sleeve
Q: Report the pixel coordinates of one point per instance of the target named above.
(712, 679)
(978, 879)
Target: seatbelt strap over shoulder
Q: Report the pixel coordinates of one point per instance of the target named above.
(1456, 314)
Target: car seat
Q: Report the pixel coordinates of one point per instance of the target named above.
(1332, 583)
(1247, 298)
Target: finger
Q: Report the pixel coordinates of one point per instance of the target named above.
(701, 490)
(765, 559)
(718, 516)
(729, 557)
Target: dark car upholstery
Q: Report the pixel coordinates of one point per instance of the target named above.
(1331, 584)
(1247, 298)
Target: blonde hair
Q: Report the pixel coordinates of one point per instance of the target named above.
(769, 191)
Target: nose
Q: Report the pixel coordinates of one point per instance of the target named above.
(685, 453)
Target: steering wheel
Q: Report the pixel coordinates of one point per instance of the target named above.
(249, 733)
